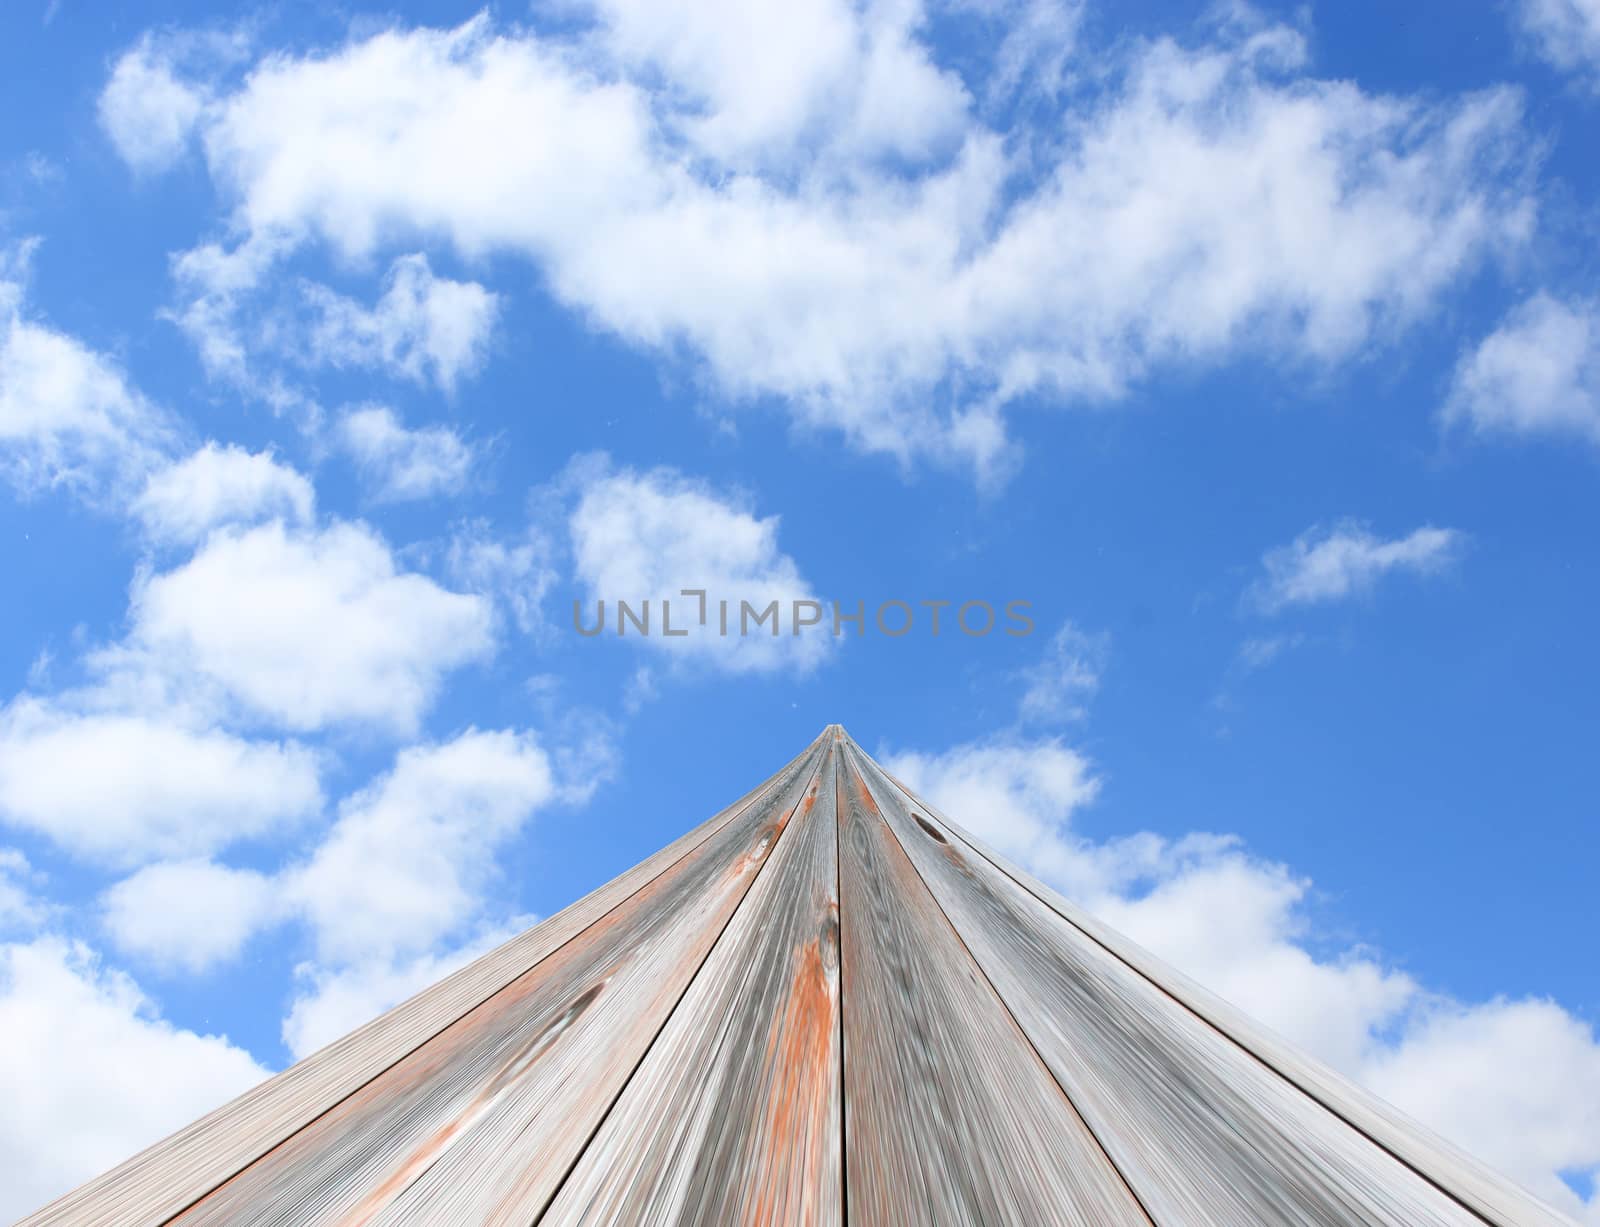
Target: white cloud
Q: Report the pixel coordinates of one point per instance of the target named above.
(1234, 923)
(20, 908)
(188, 915)
(1069, 674)
(221, 485)
(753, 187)
(1538, 373)
(397, 894)
(403, 874)
(762, 83)
(1566, 33)
(405, 866)
(68, 417)
(307, 629)
(149, 114)
(332, 1002)
(1322, 565)
(640, 537)
(1515, 1082)
(1019, 793)
(1034, 56)
(1260, 651)
(518, 574)
(90, 1073)
(424, 327)
(401, 463)
(124, 788)
(212, 282)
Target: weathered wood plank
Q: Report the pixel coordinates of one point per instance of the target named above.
(152, 1186)
(950, 1116)
(734, 1115)
(1130, 980)
(539, 1061)
(1201, 1130)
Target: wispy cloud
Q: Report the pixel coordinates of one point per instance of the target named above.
(402, 462)
(1066, 677)
(1566, 33)
(1330, 564)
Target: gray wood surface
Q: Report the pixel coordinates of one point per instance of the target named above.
(1492, 1197)
(950, 1117)
(155, 1184)
(482, 1123)
(735, 1114)
(1201, 1129)
(827, 1004)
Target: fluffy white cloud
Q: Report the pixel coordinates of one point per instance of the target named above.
(1538, 373)
(307, 629)
(405, 866)
(402, 876)
(331, 1002)
(1566, 33)
(762, 82)
(1024, 792)
(640, 537)
(402, 463)
(68, 417)
(90, 1073)
(1067, 676)
(148, 113)
(188, 915)
(1234, 923)
(396, 895)
(1515, 1082)
(752, 186)
(424, 327)
(123, 788)
(221, 485)
(1323, 565)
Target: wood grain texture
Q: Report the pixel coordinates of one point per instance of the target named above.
(481, 1124)
(734, 1116)
(1202, 1131)
(950, 1117)
(1489, 1196)
(152, 1186)
(828, 1004)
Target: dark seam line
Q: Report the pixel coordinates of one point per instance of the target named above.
(740, 809)
(1459, 1199)
(838, 881)
(645, 1055)
(1045, 1065)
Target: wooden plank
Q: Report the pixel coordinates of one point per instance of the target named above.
(734, 1116)
(1201, 1130)
(950, 1116)
(543, 1054)
(1130, 980)
(152, 1186)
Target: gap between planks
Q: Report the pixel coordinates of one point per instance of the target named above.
(104, 1200)
(1489, 1207)
(826, 758)
(852, 750)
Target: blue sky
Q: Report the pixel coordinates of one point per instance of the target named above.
(1257, 350)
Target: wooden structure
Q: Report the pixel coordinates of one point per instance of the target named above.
(826, 1004)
